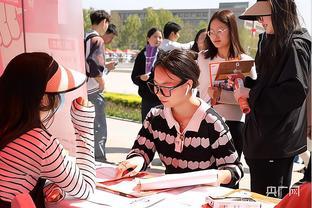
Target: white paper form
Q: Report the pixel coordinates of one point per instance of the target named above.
(207, 177)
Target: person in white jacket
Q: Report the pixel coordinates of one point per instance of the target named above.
(223, 44)
(171, 35)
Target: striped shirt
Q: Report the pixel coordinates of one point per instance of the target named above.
(206, 139)
(39, 154)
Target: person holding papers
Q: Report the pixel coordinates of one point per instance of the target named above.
(30, 90)
(143, 70)
(223, 45)
(185, 131)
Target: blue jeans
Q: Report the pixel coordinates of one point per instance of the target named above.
(100, 127)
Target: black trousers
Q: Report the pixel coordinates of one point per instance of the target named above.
(236, 129)
(270, 177)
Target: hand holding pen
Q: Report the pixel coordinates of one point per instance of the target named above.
(130, 167)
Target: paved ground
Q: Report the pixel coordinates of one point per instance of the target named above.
(120, 81)
(121, 134)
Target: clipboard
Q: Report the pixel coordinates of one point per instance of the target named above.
(226, 68)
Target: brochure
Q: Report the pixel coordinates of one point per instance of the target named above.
(219, 71)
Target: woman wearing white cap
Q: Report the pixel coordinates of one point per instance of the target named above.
(275, 129)
(29, 154)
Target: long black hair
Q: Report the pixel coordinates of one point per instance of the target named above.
(227, 17)
(195, 45)
(151, 32)
(22, 95)
(285, 21)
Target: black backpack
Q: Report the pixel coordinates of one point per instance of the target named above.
(89, 61)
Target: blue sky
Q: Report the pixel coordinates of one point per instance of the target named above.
(304, 6)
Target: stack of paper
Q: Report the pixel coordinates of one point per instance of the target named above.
(207, 177)
(145, 184)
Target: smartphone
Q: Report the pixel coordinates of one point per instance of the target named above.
(116, 62)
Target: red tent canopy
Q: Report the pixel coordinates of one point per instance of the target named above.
(117, 50)
(107, 50)
(129, 51)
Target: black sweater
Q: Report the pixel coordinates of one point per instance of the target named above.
(276, 127)
(139, 69)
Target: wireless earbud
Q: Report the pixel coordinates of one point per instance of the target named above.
(187, 89)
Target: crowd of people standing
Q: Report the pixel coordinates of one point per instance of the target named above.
(269, 136)
(191, 123)
(275, 130)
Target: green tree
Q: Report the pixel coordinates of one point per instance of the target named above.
(165, 16)
(116, 20)
(202, 24)
(151, 20)
(248, 41)
(129, 37)
(132, 32)
(86, 19)
(155, 18)
(187, 33)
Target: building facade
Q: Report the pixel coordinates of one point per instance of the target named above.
(192, 16)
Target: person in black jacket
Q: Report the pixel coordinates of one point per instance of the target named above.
(143, 70)
(276, 128)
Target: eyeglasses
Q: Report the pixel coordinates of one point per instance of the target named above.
(165, 91)
(216, 33)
